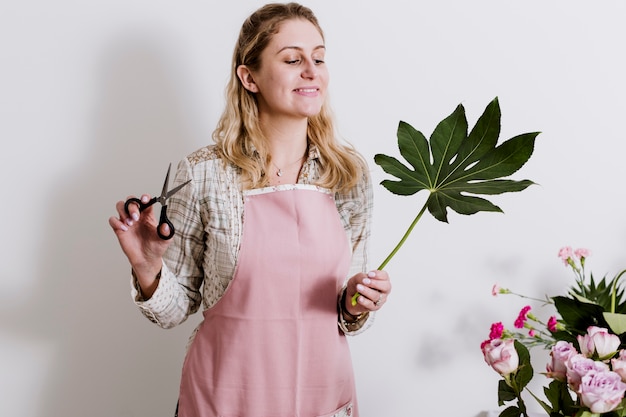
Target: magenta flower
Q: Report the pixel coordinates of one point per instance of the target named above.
(531, 333)
(496, 331)
(522, 317)
(566, 253)
(552, 323)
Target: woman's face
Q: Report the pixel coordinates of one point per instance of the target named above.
(292, 79)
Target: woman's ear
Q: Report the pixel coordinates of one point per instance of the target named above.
(246, 78)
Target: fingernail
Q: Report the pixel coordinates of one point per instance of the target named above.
(371, 274)
(367, 281)
(135, 216)
(129, 222)
(123, 227)
(360, 287)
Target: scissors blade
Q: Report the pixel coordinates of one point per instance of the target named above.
(164, 194)
(176, 189)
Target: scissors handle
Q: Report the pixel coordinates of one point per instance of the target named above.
(164, 220)
(141, 204)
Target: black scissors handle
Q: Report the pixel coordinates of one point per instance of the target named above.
(141, 204)
(162, 219)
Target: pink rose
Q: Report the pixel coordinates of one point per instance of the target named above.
(602, 391)
(578, 366)
(619, 364)
(598, 341)
(501, 355)
(561, 352)
(565, 254)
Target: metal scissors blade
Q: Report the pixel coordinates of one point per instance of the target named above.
(165, 194)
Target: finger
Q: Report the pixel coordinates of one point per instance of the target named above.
(378, 280)
(369, 296)
(133, 212)
(116, 224)
(164, 229)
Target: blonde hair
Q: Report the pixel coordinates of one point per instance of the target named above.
(238, 134)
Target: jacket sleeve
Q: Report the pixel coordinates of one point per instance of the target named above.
(178, 293)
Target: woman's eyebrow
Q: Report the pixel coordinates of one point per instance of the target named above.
(298, 48)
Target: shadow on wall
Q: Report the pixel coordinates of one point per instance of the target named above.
(108, 360)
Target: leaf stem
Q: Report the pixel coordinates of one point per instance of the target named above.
(404, 238)
(398, 246)
(614, 290)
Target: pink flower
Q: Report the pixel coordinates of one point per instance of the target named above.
(598, 342)
(531, 333)
(495, 290)
(565, 253)
(582, 253)
(578, 366)
(496, 331)
(601, 391)
(560, 354)
(521, 318)
(501, 355)
(552, 323)
(619, 364)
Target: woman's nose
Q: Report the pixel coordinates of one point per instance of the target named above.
(309, 70)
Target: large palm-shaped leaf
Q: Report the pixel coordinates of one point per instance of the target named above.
(456, 167)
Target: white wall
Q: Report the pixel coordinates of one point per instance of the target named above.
(96, 98)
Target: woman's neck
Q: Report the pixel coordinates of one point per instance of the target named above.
(287, 139)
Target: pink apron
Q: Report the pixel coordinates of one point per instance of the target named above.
(271, 346)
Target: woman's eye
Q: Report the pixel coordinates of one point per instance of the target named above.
(292, 61)
(319, 61)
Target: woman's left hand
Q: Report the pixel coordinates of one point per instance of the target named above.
(373, 287)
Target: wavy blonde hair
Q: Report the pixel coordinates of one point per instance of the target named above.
(238, 134)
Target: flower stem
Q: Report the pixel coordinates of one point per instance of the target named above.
(398, 246)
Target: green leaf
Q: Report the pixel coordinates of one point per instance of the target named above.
(578, 315)
(505, 392)
(456, 167)
(616, 321)
(511, 411)
(560, 398)
(524, 372)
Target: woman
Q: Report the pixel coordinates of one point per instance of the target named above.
(274, 221)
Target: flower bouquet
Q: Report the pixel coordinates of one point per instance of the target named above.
(587, 344)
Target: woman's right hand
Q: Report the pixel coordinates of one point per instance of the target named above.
(138, 238)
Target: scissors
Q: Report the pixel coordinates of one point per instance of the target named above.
(165, 194)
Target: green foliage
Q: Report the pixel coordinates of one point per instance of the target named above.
(601, 293)
(454, 164)
(560, 399)
(592, 304)
(577, 316)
